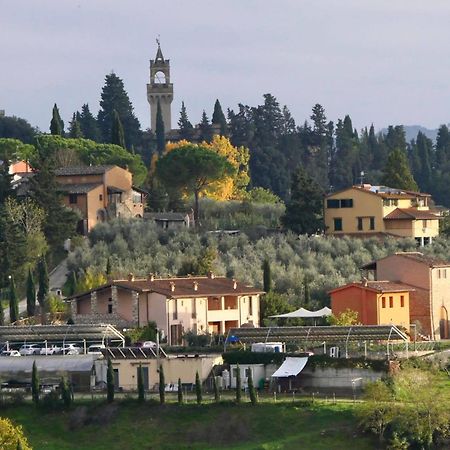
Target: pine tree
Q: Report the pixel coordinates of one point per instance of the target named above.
(218, 118)
(267, 277)
(140, 384)
(13, 302)
(56, 124)
(186, 128)
(251, 389)
(117, 134)
(110, 382)
(198, 388)
(304, 211)
(160, 130)
(180, 392)
(31, 294)
(88, 124)
(206, 131)
(238, 385)
(216, 390)
(75, 127)
(115, 98)
(44, 284)
(35, 384)
(162, 386)
(397, 173)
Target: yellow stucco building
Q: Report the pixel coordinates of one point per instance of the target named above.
(367, 210)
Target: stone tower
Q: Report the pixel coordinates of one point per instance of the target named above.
(160, 88)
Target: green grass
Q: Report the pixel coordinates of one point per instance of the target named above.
(269, 426)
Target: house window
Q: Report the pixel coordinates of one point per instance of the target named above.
(100, 197)
(444, 273)
(347, 203)
(383, 302)
(337, 224)
(424, 223)
(175, 310)
(250, 306)
(439, 273)
(372, 223)
(73, 198)
(402, 301)
(248, 372)
(391, 302)
(360, 223)
(332, 203)
(235, 372)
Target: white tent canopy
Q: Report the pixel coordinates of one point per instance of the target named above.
(291, 367)
(305, 313)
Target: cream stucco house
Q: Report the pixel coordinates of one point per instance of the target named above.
(199, 304)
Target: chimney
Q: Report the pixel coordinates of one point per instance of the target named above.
(172, 286)
(131, 277)
(211, 275)
(234, 284)
(365, 281)
(195, 284)
(150, 277)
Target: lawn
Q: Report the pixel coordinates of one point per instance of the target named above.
(129, 425)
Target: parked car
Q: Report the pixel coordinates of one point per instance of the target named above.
(95, 349)
(147, 344)
(71, 349)
(10, 353)
(50, 350)
(30, 349)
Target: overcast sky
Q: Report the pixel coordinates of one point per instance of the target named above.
(381, 61)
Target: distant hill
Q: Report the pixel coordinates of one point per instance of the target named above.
(412, 130)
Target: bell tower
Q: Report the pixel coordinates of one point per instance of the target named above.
(160, 88)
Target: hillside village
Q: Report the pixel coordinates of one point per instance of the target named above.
(166, 267)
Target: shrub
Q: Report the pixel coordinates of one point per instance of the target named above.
(11, 436)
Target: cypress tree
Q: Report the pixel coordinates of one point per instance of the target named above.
(2, 315)
(35, 384)
(180, 392)
(186, 128)
(306, 292)
(238, 384)
(160, 130)
(72, 283)
(66, 394)
(56, 124)
(206, 131)
(108, 267)
(88, 124)
(43, 284)
(251, 389)
(267, 277)
(13, 303)
(31, 294)
(162, 386)
(198, 388)
(140, 384)
(216, 390)
(75, 127)
(218, 118)
(110, 382)
(117, 134)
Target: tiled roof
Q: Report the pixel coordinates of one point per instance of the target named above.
(82, 170)
(420, 257)
(78, 188)
(378, 286)
(410, 214)
(183, 287)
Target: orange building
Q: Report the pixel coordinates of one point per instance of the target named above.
(376, 302)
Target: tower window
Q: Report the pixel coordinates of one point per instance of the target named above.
(160, 78)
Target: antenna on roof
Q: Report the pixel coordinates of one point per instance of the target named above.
(361, 177)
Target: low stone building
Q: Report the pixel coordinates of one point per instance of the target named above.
(177, 305)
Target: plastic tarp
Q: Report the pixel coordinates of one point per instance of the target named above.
(54, 363)
(291, 367)
(305, 313)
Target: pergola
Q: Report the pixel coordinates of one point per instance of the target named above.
(61, 333)
(323, 334)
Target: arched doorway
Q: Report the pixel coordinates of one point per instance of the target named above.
(443, 323)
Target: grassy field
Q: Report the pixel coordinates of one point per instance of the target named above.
(129, 425)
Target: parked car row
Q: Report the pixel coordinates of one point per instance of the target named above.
(66, 349)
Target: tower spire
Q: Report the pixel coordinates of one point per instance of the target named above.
(159, 56)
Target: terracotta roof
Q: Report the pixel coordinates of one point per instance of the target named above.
(383, 192)
(410, 214)
(378, 286)
(183, 287)
(82, 170)
(424, 259)
(83, 188)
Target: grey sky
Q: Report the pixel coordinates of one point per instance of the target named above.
(381, 61)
